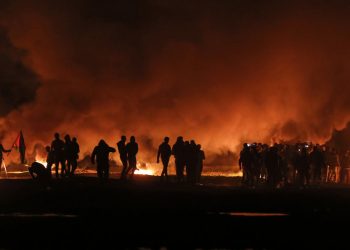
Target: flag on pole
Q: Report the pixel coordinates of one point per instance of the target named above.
(20, 146)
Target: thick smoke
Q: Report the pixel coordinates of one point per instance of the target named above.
(18, 83)
(220, 72)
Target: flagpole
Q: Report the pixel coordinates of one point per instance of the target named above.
(14, 143)
(3, 164)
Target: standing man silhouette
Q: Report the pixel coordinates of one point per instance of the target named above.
(164, 151)
(179, 153)
(123, 156)
(132, 148)
(57, 147)
(200, 159)
(50, 159)
(75, 155)
(68, 153)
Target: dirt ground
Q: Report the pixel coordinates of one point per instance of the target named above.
(82, 213)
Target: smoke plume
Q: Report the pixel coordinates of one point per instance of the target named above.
(219, 72)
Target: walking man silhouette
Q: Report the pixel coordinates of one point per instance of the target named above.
(123, 156)
(57, 147)
(101, 156)
(132, 148)
(164, 152)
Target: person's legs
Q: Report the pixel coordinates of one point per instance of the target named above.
(49, 167)
(337, 174)
(74, 166)
(99, 172)
(68, 166)
(63, 168)
(56, 168)
(132, 163)
(165, 168)
(106, 172)
(177, 167)
(125, 167)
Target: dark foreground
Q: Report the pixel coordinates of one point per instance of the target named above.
(84, 214)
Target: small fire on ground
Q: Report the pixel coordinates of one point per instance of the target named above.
(143, 169)
(41, 161)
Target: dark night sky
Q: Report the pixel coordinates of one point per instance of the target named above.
(220, 72)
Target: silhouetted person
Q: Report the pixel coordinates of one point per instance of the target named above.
(344, 164)
(257, 161)
(57, 147)
(39, 172)
(75, 155)
(50, 159)
(2, 150)
(272, 162)
(192, 162)
(283, 164)
(164, 152)
(68, 153)
(123, 156)
(100, 155)
(245, 163)
(200, 158)
(332, 160)
(318, 162)
(178, 151)
(132, 148)
(303, 167)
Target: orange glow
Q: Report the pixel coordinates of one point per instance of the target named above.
(41, 161)
(144, 169)
(144, 172)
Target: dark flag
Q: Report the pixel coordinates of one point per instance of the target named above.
(20, 146)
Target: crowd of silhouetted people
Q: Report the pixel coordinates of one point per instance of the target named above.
(299, 164)
(64, 155)
(189, 157)
(60, 153)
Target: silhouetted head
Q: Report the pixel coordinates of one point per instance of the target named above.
(245, 145)
(48, 149)
(57, 135)
(132, 139)
(166, 139)
(67, 138)
(180, 139)
(199, 146)
(193, 142)
(123, 138)
(102, 143)
(74, 139)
